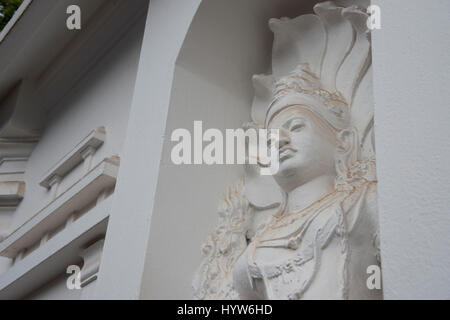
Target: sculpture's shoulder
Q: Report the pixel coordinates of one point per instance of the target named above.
(371, 201)
(361, 213)
(361, 205)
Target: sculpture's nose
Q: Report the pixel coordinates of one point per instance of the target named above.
(282, 139)
(285, 137)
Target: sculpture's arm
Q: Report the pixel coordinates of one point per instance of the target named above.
(223, 246)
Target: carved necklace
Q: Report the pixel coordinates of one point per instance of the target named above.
(292, 241)
(278, 222)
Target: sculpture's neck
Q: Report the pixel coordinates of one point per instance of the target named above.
(310, 192)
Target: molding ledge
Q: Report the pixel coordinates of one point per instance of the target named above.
(16, 148)
(11, 193)
(52, 257)
(82, 150)
(14, 154)
(87, 190)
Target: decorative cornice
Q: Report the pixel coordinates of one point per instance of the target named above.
(80, 152)
(16, 149)
(59, 251)
(57, 212)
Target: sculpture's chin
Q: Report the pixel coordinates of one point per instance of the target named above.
(290, 170)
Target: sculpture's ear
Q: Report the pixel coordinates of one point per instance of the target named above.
(348, 148)
(261, 191)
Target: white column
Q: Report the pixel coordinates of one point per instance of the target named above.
(124, 252)
(412, 124)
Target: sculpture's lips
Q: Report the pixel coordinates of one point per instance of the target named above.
(286, 152)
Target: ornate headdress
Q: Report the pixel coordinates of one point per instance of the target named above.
(320, 57)
(302, 87)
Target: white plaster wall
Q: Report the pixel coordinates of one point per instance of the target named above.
(228, 42)
(411, 79)
(101, 98)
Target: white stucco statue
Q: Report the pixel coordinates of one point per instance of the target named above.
(311, 230)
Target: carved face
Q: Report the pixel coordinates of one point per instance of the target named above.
(307, 147)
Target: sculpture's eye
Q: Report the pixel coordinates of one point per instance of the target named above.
(296, 125)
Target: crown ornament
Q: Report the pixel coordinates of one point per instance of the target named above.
(322, 57)
(305, 88)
